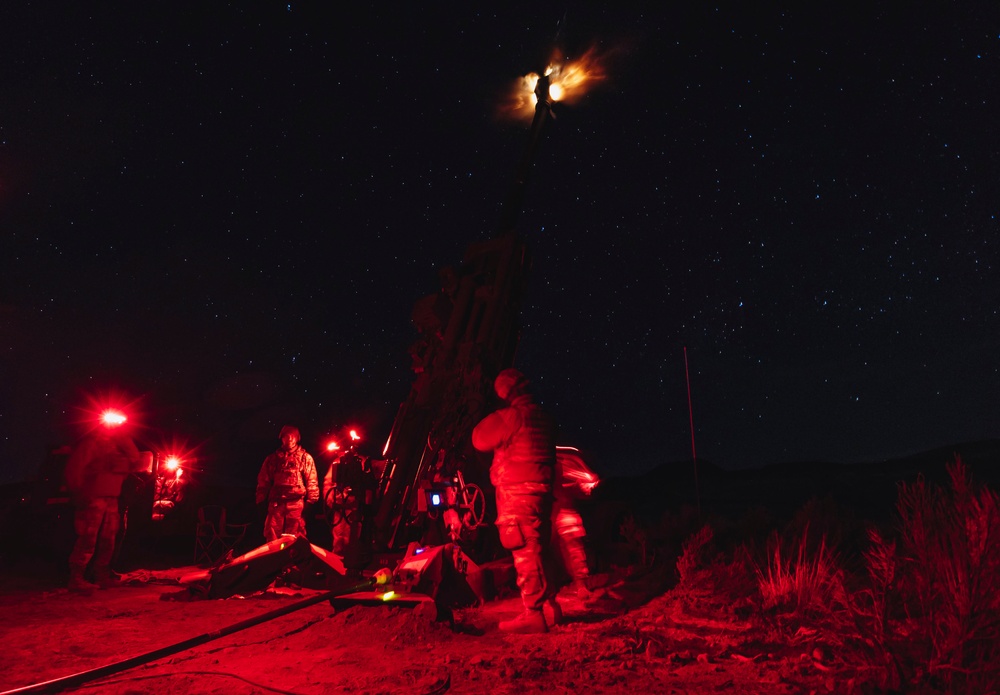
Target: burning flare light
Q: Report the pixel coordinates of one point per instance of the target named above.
(569, 81)
(333, 445)
(113, 418)
(108, 410)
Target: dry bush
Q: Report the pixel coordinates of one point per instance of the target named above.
(870, 608)
(928, 616)
(807, 580)
(948, 564)
(782, 579)
(693, 552)
(824, 520)
(722, 576)
(637, 537)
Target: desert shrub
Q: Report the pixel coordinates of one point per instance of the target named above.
(800, 577)
(665, 539)
(822, 519)
(693, 552)
(637, 538)
(733, 538)
(948, 564)
(654, 543)
(870, 608)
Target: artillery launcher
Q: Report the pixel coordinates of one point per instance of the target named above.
(468, 332)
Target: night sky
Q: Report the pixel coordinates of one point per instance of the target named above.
(224, 212)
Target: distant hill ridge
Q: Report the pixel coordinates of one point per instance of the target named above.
(871, 487)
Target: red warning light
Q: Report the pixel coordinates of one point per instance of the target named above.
(108, 410)
(113, 418)
(332, 446)
(172, 463)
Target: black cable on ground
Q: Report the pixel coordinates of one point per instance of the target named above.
(59, 684)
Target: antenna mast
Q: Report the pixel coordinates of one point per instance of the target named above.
(694, 455)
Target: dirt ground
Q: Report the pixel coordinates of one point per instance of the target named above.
(642, 637)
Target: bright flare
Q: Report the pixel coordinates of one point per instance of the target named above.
(113, 418)
(569, 81)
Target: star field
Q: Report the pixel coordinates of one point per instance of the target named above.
(230, 211)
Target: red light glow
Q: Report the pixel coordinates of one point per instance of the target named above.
(355, 436)
(333, 446)
(175, 454)
(108, 410)
(113, 418)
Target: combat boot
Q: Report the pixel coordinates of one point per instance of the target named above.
(106, 579)
(78, 583)
(582, 591)
(553, 612)
(528, 623)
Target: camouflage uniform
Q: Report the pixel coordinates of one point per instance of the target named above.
(573, 482)
(94, 475)
(522, 439)
(287, 480)
(346, 530)
(342, 486)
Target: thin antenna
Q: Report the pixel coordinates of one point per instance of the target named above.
(694, 455)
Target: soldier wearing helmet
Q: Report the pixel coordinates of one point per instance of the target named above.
(521, 436)
(286, 482)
